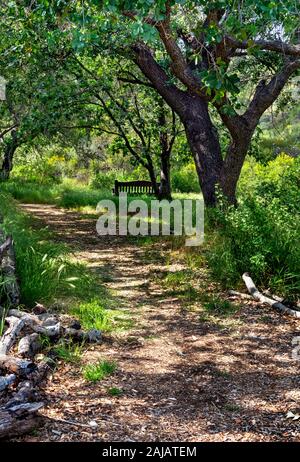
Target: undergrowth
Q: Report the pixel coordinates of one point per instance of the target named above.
(98, 371)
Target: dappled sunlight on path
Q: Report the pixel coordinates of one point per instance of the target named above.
(183, 376)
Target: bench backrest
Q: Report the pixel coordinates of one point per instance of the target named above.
(134, 187)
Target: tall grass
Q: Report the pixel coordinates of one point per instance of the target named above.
(68, 194)
(45, 269)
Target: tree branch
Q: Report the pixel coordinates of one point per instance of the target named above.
(273, 45)
(131, 121)
(135, 81)
(122, 133)
(266, 94)
(7, 130)
(144, 59)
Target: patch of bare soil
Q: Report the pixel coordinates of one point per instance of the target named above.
(184, 376)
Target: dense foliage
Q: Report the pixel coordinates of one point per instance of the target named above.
(261, 236)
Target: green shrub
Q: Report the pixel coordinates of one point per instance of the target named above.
(280, 179)
(185, 180)
(68, 351)
(261, 235)
(114, 391)
(103, 181)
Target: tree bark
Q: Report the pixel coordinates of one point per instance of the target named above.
(165, 154)
(204, 143)
(165, 183)
(19, 419)
(234, 161)
(9, 152)
(152, 176)
(193, 112)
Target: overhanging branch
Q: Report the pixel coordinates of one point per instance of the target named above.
(272, 45)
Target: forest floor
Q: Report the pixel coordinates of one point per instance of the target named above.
(185, 375)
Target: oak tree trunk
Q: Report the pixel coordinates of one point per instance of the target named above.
(204, 143)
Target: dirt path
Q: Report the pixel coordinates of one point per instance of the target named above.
(185, 377)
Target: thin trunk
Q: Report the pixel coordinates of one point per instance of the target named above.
(9, 152)
(166, 148)
(165, 183)
(152, 176)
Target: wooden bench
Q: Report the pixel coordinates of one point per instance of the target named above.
(134, 187)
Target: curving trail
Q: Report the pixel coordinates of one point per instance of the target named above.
(184, 376)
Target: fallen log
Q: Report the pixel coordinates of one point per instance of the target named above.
(28, 390)
(48, 331)
(257, 295)
(25, 392)
(10, 335)
(52, 328)
(5, 246)
(91, 336)
(37, 325)
(29, 345)
(19, 415)
(280, 299)
(23, 314)
(19, 419)
(20, 367)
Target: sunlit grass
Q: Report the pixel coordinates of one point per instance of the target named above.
(46, 269)
(98, 371)
(69, 351)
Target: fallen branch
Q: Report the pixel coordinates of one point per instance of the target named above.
(19, 419)
(252, 289)
(234, 293)
(69, 422)
(29, 345)
(20, 367)
(11, 334)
